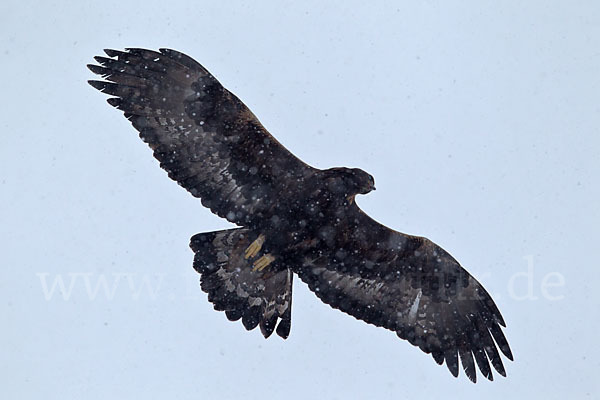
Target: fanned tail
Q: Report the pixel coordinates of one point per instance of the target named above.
(258, 298)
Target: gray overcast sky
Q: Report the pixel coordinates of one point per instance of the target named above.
(478, 119)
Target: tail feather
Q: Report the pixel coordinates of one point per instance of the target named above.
(258, 298)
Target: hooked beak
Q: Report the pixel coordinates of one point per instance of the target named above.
(368, 189)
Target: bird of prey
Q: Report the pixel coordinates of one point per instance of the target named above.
(294, 219)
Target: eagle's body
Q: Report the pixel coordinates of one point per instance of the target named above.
(294, 219)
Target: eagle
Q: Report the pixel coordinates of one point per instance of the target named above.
(294, 219)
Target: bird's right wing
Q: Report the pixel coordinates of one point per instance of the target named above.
(204, 137)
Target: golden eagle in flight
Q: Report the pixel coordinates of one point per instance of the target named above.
(294, 219)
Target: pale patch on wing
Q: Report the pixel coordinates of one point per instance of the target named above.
(412, 313)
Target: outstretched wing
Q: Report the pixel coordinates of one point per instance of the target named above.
(204, 137)
(411, 286)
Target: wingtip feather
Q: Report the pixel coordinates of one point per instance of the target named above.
(96, 69)
(96, 84)
(114, 101)
(451, 357)
(111, 52)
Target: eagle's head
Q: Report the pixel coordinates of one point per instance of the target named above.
(350, 181)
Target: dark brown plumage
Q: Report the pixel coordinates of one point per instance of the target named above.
(294, 218)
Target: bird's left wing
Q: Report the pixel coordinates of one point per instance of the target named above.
(411, 286)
